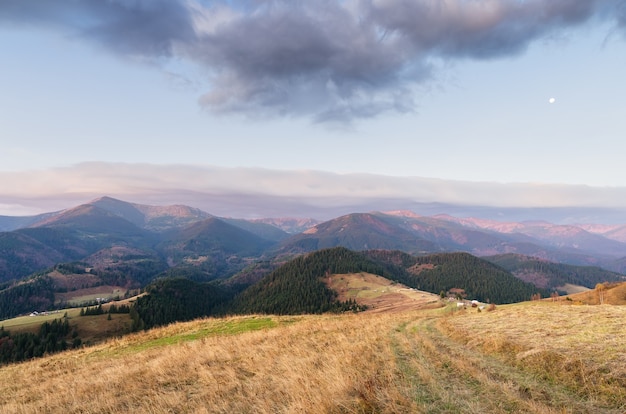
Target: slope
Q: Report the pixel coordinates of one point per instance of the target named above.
(603, 293)
(213, 235)
(263, 230)
(10, 223)
(407, 362)
(298, 287)
(21, 255)
(548, 275)
(442, 272)
(210, 249)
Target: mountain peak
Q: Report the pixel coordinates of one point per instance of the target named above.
(105, 199)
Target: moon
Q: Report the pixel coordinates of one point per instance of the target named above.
(551, 100)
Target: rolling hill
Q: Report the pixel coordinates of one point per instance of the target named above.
(103, 229)
(602, 294)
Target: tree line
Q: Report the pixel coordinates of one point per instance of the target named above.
(25, 297)
(297, 287)
(480, 279)
(52, 337)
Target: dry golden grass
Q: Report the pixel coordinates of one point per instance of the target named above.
(418, 361)
(582, 347)
(380, 294)
(313, 364)
(613, 294)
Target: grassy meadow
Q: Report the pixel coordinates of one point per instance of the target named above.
(32, 323)
(535, 357)
(91, 329)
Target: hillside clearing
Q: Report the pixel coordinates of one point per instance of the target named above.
(570, 289)
(81, 296)
(32, 323)
(380, 294)
(91, 329)
(432, 361)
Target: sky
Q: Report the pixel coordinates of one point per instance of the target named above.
(482, 102)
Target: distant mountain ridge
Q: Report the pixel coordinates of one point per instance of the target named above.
(359, 231)
(419, 234)
(8, 223)
(176, 235)
(198, 244)
(128, 246)
(289, 225)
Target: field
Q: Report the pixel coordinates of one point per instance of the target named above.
(91, 329)
(87, 295)
(536, 357)
(32, 323)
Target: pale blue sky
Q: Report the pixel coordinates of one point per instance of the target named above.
(66, 99)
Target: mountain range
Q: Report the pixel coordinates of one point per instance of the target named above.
(79, 232)
(126, 245)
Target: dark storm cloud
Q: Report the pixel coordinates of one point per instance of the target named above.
(329, 60)
(303, 58)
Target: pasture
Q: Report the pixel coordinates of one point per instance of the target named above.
(535, 357)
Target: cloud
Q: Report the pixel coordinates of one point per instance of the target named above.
(329, 60)
(146, 29)
(254, 192)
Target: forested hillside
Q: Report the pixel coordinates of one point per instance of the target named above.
(51, 337)
(480, 279)
(177, 299)
(25, 297)
(298, 287)
(553, 275)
